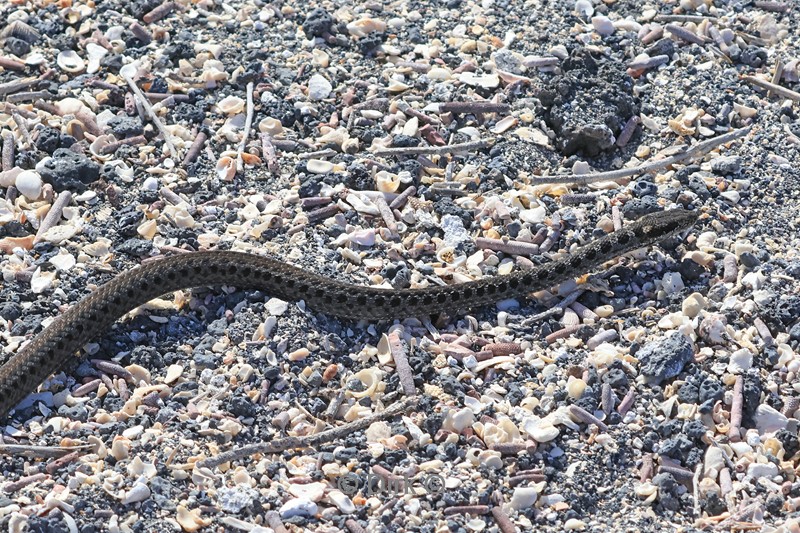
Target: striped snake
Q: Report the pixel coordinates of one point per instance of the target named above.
(51, 349)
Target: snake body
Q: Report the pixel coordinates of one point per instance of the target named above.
(58, 343)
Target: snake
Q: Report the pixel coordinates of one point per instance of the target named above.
(58, 343)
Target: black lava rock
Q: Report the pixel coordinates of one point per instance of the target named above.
(68, 170)
(126, 126)
(317, 23)
(664, 358)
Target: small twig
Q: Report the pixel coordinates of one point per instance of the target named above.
(386, 213)
(736, 410)
(8, 150)
(554, 310)
(170, 195)
(776, 76)
(23, 482)
(322, 213)
(159, 12)
(627, 130)
(53, 215)
(701, 147)
(627, 402)
(772, 5)
(110, 148)
(562, 333)
(585, 416)
(466, 509)
(507, 247)
(11, 64)
(503, 521)
(287, 443)
(153, 117)
(141, 33)
(698, 471)
(269, 153)
(40, 451)
(248, 124)
(57, 464)
(401, 199)
(400, 356)
(435, 150)
(318, 154)
(682, 18)
(195, 149)
(473, 107)
(16, 86)
(777, 89)
(23, 128)
(683, 33)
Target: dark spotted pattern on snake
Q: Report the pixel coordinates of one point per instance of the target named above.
(58, 343)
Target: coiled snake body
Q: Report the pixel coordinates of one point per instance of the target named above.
(52, 348)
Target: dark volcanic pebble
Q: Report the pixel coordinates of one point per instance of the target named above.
(664, 358)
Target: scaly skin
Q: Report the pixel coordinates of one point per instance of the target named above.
(59, 342)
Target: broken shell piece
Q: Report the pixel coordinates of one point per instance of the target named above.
(230, 105)
(270, 125)
(71, 62)
(365, 26)
(504, 124)
(319, 166)
(387, 181)
(226, 168)
(371, 378)
(94, 53)
(96, 148)
(76, 128)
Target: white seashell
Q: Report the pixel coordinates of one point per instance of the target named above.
(505, 124)
(41, 281)
(458, 421)
(311, 491)
(740, 361)
(573, 524)
(270, 125)
(231, 105)
(487, 81)
(769, 420)
(396, 86)
(70, 106)
(319, 166)
(440, 74)
(94, 53)
(138, 493)
(319, 87)
(226, 168)
(147, 229)
(29, 183)
(387, 181)
(575, 388)
(362, 205)
(320, 58)
(34, 59)
(365, 26)
(363, 237)
(137, 468)
(525, 497)
(70, 61)
(342, 501)
(96, 148)
(584, 8)
(63, 261)
(541, 430)
(603, 25)
(371, 378)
